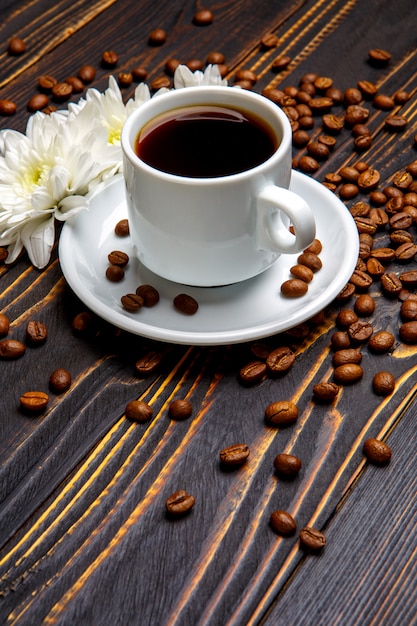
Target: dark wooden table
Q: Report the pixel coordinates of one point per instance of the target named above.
(84, 535)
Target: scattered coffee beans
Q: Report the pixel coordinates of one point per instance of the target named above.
(11, 349)
(179, 503)
(34, 401)
(311, 539)
(325, 391)
(281, 413)
(383, 383)
(36, 333)
(377, 452)
(138, 411)
(283, 523)
(235, 455)
(180, 409)
(60, 380)
(185, 304)
(287, 465)
(4, 325)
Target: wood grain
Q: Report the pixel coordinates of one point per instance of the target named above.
(83, 532)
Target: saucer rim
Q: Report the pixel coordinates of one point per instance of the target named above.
(211, 338)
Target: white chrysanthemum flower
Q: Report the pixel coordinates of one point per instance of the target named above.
(184, 77)
(46, 174)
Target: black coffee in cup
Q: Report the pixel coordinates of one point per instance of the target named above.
(206, 141)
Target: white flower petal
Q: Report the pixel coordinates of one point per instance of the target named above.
(38, 238)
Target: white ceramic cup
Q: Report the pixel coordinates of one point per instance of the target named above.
(214, 231)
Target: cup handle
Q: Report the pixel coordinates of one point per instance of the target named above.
(277, 206)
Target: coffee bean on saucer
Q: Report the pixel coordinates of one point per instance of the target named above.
(294, 288)
(282, 523)
(115, 273)
(122, 228)
(179, 503)
(377, 452)
(302, 272)
(149, 294)
(311, 539)
(311, 260)
(117, 257)
(131, 302)
(186, 304)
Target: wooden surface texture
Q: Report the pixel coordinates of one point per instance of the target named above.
(84, 538)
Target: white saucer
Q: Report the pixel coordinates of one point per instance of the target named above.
(241, 312)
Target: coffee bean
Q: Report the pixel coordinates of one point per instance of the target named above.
(359, 332)
(283, 523)
(318, 150)
(408, 310)
(139, 74)
(348, 374)
(379, 217)
(186, 304)
(138, 411)
(400, 221)
(348, 191)
(364, 305)
(312, 540)
(204, 17)
(82, 323)
(4, 325)
(368, 180)
(383, 102)
(118, 258)
(115, 273)
(171, 65)
(180, 409)
(377, 452)
(36, 333)
(253, 373)
(234, 455)
(16, 46)
(300, 138)
(340, 340)
(7, 107)
(345, 356)
(61, 92)
(325, 391)
(384, 255)
(308, 165)
(406, 252)
(361, 280)
(294, 288)
(367, 89)
(356, 114)
(345, 318)
(76, 84)
(379, 57)
(149, 294)
(157, 37)
(37, 102)
(280, 360)
(287, 465)
(391, 284)
(408, 332)
(375, 268)
(109, 59)
(302, 272)
(87, 74)
(34, 401)
(215, 58)
(124, 79)
(381, 342)
(268, 41)
(131, 302)
(383, 383)
(361, 209)
(333, 123)
(281, 413)
(346, 293)
(122, 228)
(311, 260)
(179, 503)
(60, 380)
(11, 349)
(146, 365)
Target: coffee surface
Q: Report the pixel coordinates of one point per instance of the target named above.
(205, 141)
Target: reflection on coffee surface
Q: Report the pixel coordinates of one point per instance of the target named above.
(205, 141)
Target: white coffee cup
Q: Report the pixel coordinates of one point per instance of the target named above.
(214, 231)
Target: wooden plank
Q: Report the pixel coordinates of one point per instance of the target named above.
(83, 528)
